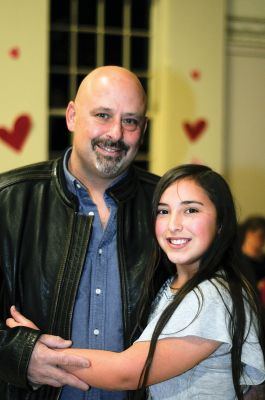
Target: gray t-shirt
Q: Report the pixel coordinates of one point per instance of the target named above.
(211, 378)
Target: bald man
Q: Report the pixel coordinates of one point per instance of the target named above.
(75, 241)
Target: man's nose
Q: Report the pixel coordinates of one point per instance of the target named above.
(116, 130)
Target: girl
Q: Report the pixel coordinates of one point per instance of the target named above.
(205, 336)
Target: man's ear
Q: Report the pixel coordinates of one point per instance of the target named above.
(70, 116)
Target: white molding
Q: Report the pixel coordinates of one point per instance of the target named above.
(247, 34)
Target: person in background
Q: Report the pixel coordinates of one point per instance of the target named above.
(206, 336)
(74, 243)
(252, 242)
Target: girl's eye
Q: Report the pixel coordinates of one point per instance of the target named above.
(161, 212)
(191, 210)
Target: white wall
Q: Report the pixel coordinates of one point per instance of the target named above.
(23, 82)
(246, 8)
(187, 37)
(245, 105)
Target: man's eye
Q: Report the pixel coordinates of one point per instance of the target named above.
(130, 121)
(102, 115)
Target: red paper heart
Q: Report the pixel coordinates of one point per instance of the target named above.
(195, 74)
(16, 136)
(194, 130)
(14, 52)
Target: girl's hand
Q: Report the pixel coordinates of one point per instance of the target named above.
(46, 365)
(17, 319)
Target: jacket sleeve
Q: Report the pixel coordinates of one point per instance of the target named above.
(16, 346)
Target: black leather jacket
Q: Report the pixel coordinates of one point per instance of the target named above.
(42, 251)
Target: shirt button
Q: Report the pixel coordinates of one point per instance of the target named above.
(100, 251)
(96, 332)
(91, 213)
(78, 186)
(98, 291)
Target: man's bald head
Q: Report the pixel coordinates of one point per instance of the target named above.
(111, 74)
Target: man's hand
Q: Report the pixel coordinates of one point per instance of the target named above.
(46, 363)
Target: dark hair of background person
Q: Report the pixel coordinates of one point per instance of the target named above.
(252, 223)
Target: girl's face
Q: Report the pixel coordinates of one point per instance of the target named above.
(186, 223)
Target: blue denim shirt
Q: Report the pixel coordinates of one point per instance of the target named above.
(97, 319)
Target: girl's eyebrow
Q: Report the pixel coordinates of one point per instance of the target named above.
(162, 204)
(192, 202)
(184, 202)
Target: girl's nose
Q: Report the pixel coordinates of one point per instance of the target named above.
(175, 224)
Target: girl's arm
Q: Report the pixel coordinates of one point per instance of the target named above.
(122, 371)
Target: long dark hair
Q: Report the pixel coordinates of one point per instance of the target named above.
(221, 261)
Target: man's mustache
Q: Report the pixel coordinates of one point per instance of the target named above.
(119, 145)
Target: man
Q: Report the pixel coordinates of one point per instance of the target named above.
(75, 240)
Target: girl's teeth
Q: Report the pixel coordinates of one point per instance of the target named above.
(178, 241)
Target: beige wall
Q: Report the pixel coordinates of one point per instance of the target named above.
(245, 100)
(246, 8)
(23, 82)
(187, 38)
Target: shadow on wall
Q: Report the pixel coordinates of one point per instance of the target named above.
(248, 186)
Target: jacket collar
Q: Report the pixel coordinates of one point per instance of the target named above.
(121, 191)
(126, 187)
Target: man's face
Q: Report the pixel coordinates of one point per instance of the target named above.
(108, 121)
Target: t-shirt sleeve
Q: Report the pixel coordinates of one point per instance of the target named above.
(202, 313)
